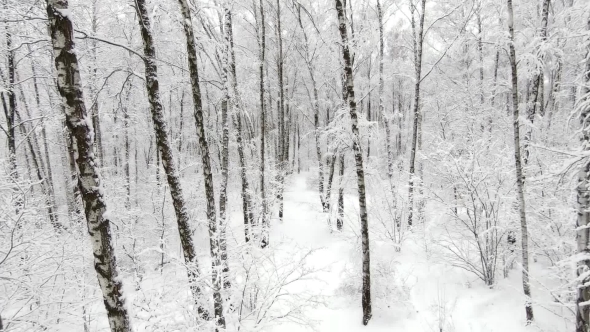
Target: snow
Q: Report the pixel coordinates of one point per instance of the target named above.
(63, 12)
(428, 295)
(412, 289)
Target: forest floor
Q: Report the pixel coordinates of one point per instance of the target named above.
(412, 289)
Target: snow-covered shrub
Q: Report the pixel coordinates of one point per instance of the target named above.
(474, 201)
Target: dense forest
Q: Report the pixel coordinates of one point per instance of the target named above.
(295, 165)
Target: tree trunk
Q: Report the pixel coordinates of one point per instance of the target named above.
(583, 219)
(10, 112)
(281, 167)
(358, 156)
(180, 131)
(537, 93)
(33, 145)
(263, 217)
(94, 110)
(298, 149)
(340, 218)
(165, 149)
(206, 163)
(386, 119)
(237, 119)
(70, 88)
(518, 168)
(316, 115)
(48, 168)
(225, 103)
(418, 41)
(127, 166)
(332, 166)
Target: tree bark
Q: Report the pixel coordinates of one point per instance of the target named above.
(332, 168)
(358, 156)
(225, 104)
(583, 219)
(48, 168)
(316, 108)
(165, 149)
(10, 112)
(127, 165)
(340, 218)
(237, 119)
(70, 88)
(95, 110)
(283, 153)
(264, 226)
(538, 87)
(418, 41)
(386, 119)
(518, 170)
(206, 163)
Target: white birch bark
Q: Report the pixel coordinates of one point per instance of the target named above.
(518, 170)
(80, 126)
(360, 172)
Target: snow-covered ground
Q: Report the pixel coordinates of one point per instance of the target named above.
(309, 279)
(412, 291)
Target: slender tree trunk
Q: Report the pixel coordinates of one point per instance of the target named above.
(386, 120)
(358, 156)
(481, 72)
(293, 127)
(33, 145)
(298, 149)
(158, 180)
(518, 168)
(283, 153)
(225, 104)
(206, 163)
(70, 88)
(237, 119)
(538, 88)
(165, 149)
(48, 168)
(180, 131)
(95, 110)
(10, 111)
(583, 219)
(332, 168)
(127, 161)
(418, 41)
(264, 226)
(127, 158)
(286, 138)
(316, 115)
(340, 218)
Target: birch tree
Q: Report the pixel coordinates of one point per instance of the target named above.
(216, 262)
(518, 169)
(358, 157)
(69, 85)
(247, 211)
(538, 88)
(261, 70)
(418, 39)
(9, 107)
(283, 152)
